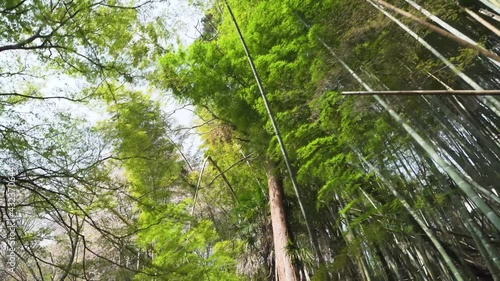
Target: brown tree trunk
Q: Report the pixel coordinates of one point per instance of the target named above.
(285, 269)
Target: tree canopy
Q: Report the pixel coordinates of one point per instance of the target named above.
(288, 178)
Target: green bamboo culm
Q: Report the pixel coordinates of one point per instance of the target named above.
(413, 213)
(312, 235)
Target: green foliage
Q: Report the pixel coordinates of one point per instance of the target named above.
(128, 171)
(93, 39)
(182, 247)
(142, 139)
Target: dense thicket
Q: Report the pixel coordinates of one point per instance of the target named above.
(398, 187)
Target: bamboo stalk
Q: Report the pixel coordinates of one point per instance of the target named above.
(424, 43)
(198, 185)
(440, 22)
(425, 92)
(488, 100)
(495, 2)
(454, 174)
(489, 14)
(483, 22)
(486, 249)
(312, 235)
(446, 26)
(493, 6)
(418, 219)
(223, 175)
(440, 31)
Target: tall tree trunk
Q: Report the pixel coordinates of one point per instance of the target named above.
(486, 24)
(286, 270)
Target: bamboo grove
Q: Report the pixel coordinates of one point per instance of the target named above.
(294, 175)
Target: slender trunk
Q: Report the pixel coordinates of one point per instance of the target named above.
(487, 251)
(424, 92)
(490, 101)
(452, 172)
(409, 252)
(286, 270)
(424, 43)
(312, 235)
(425, 261)
(198, 185)
(493, 6)
(223, 175)
(486, 24)
(440, 31)
(446, 26)
(489, 14)
(477, 125)
(350, 237)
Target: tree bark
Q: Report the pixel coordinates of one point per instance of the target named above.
(285, 269)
